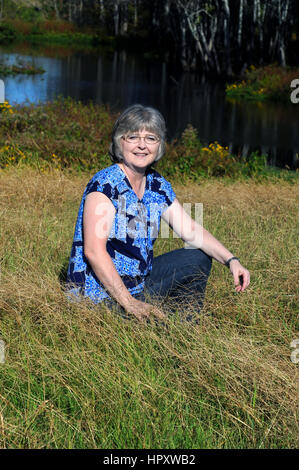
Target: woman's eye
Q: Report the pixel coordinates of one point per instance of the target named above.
(133, 138)
(151, 139)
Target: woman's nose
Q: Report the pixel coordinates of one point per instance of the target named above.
(141, 143)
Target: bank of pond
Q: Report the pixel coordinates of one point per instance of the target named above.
(67, 134)
(266, 82)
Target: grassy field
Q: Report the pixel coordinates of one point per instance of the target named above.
(77, 376)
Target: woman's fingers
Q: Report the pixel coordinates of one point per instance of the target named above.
(246, 280)
(241, 278)
(142, 311)
(156, 312)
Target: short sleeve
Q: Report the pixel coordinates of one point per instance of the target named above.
(169, 193)
(96, 185)
(164, 190)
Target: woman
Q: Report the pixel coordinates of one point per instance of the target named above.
(118, 221)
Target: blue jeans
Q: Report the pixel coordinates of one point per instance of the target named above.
(178, 278)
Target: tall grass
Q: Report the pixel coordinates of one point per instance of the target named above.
(78, 376)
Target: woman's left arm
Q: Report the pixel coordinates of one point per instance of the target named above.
(198, 237)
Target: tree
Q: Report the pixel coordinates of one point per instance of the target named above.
(217, 36)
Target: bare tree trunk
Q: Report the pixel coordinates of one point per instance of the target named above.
(240, 28)
(80, 8)
(56, 9)
(116, 17)
(70, 11)
(1, 10)
(203, 28)
(124, 18)
(207, 54)
(75, 10)
(135, 13)
(193, 30)
(282, 23)
(277, 44)
(273, 44)
(184, 60)
(102, 12)
(155, 18)
(282, 53)
(253, 27)
(226, 30)
(167, 8)
(259, 21)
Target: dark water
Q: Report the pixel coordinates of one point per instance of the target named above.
(120, 79)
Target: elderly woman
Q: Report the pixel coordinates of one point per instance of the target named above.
(118, 221)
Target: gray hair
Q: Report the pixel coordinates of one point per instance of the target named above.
(133, 119)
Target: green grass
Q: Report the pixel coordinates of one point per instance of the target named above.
(78, 376)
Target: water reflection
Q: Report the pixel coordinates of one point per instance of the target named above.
(120, 78)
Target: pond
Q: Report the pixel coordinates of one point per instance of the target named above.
(121, 78)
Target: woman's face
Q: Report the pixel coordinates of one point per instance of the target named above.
(139, 149)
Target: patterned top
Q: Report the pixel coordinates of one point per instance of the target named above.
(134, 231)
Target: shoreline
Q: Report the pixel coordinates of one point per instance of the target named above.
(29, 135)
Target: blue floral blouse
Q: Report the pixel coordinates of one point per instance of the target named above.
(134, 231)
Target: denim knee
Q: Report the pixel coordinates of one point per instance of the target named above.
(199, 259)
(205, 262)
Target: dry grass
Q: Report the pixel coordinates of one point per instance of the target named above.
(77, 376)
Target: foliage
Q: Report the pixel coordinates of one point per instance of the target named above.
(52, 31)
(60, 38)
(80, 140)
(28, 14)
(30, 135)
(190, 159)
(218, 37)
(5, 107)
(268, 82)
(7, 33)
(20, 68)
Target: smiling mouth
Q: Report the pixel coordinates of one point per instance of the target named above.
(141, 154)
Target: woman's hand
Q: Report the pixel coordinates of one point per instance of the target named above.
(143, 310)
(241, 275)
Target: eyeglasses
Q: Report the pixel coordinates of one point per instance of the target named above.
(149, 139)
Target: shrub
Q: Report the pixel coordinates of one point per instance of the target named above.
(269, 82)
(7, 33)
(28, 14)
(82, 138)
(190, 159)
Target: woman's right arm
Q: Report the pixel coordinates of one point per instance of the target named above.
(98, 217)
